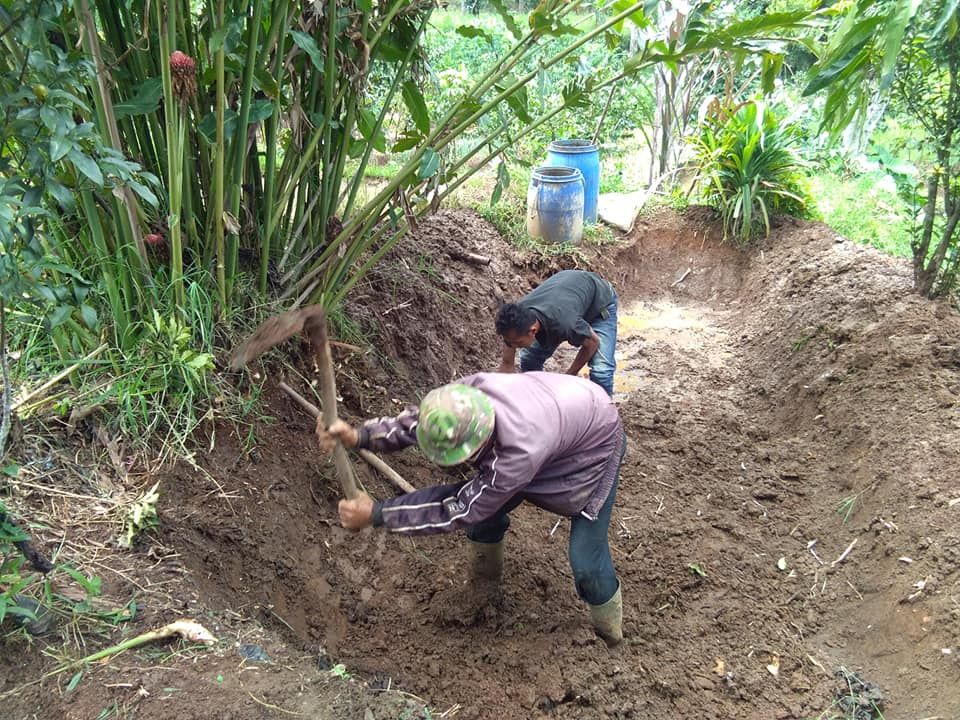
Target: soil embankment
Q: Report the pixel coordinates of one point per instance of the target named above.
(762, 391)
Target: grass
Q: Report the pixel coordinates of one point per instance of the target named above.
(855, 699)
(848, 505)
(509, 217)
(864, 208)
(156, 395)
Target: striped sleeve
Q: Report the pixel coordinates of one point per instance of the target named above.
(386, 434)
(445, 508)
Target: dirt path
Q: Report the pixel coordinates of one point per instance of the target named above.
(761, 390)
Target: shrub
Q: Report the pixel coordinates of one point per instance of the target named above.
(748, 169)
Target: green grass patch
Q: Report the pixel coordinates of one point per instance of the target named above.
(864, 208)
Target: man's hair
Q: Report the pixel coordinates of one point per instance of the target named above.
(514, 317)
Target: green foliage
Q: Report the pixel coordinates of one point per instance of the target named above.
(133, 187)
(904, 53)
(749, 170)
(18, 582)
(13, 579)
(509, 217)
(865, 208)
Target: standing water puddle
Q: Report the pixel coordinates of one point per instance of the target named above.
(691, 332)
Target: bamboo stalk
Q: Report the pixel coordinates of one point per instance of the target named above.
(271, 169)
(441, 136)
(329, 84)
(218, 177)
(398, 76)
(240, 139)
(104, 104)
(6, 402)
(556, 58)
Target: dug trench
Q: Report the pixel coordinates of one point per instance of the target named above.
(762, 390)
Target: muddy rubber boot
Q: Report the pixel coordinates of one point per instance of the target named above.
(608, 619)
(487, 561)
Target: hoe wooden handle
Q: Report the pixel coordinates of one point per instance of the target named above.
(315, 328)
(374, 461)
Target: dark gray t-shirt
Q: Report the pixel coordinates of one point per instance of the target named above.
(566, 304)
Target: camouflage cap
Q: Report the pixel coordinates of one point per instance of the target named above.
(455, 421)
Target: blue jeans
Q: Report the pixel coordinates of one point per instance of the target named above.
(593, 573)
(603, 363)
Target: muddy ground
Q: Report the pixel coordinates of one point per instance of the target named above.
(788, 507)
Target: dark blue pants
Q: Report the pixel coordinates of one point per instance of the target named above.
(593, 572)
(603, 364)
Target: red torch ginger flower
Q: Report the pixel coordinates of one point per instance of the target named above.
(183, 74)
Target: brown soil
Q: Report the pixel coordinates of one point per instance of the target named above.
(762, 390)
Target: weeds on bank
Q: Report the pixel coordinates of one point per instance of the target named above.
(62, 600)
(510, 220)
(855, 699)
(156, 394)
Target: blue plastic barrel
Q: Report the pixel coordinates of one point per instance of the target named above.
(555, 204)
(585, 156)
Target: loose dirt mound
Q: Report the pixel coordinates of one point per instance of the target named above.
(762, 390)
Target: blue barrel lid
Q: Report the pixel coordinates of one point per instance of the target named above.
(574, 146)
(557, 174)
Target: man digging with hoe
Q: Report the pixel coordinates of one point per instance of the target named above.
(553, 440)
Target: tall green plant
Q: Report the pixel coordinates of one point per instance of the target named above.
(748, 169)
(253, 160)
(905, 53)
(62, 184)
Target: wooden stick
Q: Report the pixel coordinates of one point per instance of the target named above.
(316, 329)
(58, 377)
(843, 555)
(387, 471)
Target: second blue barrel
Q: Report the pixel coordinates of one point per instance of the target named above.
(555, 204)
(585, 156)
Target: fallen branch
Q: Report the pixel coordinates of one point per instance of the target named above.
(58, 377)
(374, 461)
(344, 346)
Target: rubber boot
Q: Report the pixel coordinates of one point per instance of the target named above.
(487, 561)
(608, 619)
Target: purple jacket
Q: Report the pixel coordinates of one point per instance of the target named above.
(558, 444)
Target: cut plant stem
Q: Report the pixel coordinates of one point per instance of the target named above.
(188, 629)
(58, 377)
